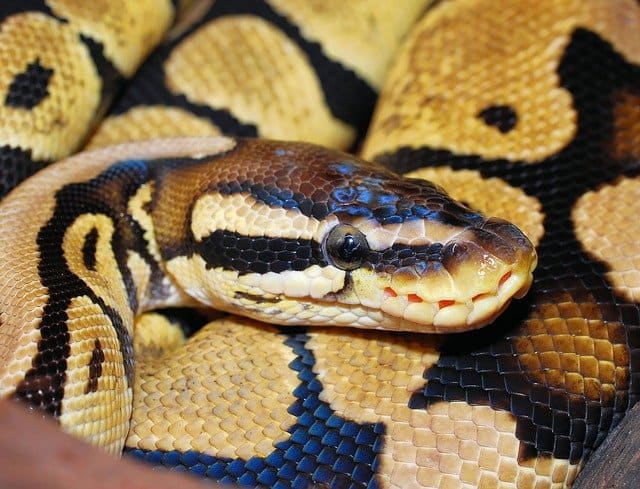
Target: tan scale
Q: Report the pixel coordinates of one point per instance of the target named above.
(150, 122)
(438, 84)
(23, 297)
(269, 301)
(225, 393)
(257, 73)
(605, 222)
(128, 30)
(156, 336)
(570, 347)
(106, 280)
(446, 445)
(491, 196)
(99, 414)
(243, 214)
(56, 126)
(362, 34)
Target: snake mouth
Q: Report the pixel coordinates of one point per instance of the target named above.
(465, 286)
(456, 315)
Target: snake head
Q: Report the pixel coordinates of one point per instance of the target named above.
(305, 235)
(421, 260)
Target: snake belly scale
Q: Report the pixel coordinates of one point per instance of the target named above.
(526, 113)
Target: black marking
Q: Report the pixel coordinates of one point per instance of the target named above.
(502, 117)
(29, 88)
(551, 420)
(420, 258)
(256, 298)
(110, 77)
(16, 164)
(95, 367)
(243, 254)
(349, 98)
(89, 249)
(106, 194)
(323, 448)
(24, 6)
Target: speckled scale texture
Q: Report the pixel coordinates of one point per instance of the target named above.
(525, 401)
(549, 116)
(321, 446)
(259, 68)
(564, 363)
(61, 67)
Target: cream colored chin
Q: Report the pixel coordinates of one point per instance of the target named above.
(409, 312)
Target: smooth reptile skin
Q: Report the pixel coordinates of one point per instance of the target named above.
(528, 112)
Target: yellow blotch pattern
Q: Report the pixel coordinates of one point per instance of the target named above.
(443, 445)
(606, 224)
(361, 34)
(128, 30)
(57, 124)
(99, 414)
(150, 122)
(225, 393)
(438, 85)
(106, 280)
(247, 66)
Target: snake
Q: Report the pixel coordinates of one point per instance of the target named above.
(368, 336)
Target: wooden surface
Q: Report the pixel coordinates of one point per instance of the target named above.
(35, 454)
(616, 464)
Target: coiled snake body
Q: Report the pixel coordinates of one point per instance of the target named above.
(531, 114)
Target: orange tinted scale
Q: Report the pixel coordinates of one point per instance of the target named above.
(414, 298)
(480, 296)
(504, 278)
(389, 292)
(443, 304)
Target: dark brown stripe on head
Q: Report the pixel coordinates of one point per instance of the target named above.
(244, 254)
(314, 181)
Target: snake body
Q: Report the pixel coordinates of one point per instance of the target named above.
(540, 127)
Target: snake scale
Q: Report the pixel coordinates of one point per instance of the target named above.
(528, 112)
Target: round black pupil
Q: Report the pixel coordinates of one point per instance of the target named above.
(350, 249)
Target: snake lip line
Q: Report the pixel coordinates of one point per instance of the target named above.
(446, 314)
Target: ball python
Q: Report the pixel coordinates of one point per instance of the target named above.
(526, 112)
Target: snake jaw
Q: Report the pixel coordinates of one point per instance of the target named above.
(466, 285)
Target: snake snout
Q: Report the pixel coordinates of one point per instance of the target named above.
(505, 243)
(487, 264)
(504, 240)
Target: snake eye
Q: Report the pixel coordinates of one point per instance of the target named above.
(346, 246)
